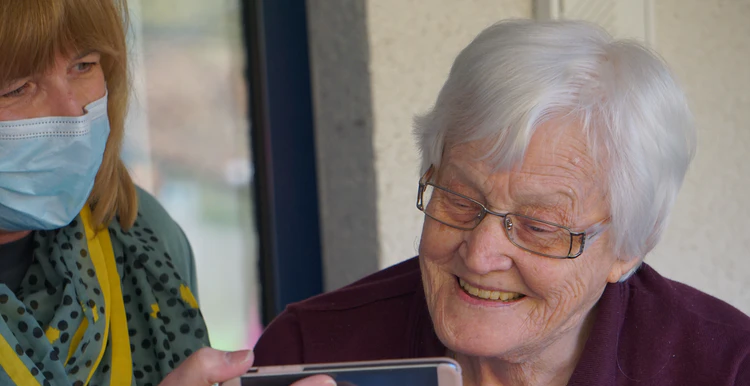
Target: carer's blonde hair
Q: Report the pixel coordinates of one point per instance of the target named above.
(34, 32)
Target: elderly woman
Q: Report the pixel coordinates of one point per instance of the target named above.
(96, 280)
(551, 160)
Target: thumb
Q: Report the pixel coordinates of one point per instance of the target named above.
(208, 366)
(319, 380)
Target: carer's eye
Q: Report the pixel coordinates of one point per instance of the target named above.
(17, 92)
(85, 66)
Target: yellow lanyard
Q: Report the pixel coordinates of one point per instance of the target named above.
(103, 258)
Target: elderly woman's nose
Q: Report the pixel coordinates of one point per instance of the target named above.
(487, 248)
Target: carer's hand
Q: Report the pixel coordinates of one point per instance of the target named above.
(207, 366)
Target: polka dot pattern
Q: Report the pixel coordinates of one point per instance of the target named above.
(61, 290)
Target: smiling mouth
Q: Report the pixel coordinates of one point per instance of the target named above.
(498, 296)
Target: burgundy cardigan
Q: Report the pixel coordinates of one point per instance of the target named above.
(649, 331)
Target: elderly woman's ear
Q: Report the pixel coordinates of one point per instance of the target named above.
(623, 268)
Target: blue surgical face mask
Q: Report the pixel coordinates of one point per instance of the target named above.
(48, 166)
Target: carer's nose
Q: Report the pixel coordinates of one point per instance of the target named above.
(64, 100)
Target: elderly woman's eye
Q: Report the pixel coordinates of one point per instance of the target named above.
(456, 210)
(463, 204)
(537, 227)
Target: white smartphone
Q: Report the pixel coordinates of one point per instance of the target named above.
(411, 372)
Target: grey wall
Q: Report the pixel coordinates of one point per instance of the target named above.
(339, 55)
(374, 65)
(412, 46)
(707, 244)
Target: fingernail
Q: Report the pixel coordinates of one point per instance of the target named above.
(238, 357)
(328, 382)
(318, 380)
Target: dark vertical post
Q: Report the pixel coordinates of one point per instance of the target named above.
(283, 147)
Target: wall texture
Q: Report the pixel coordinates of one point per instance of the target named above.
(387, 64)
(374, 65)
(707, 244)
(339, 56)
(412, 46)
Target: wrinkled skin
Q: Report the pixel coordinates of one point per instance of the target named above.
(537, 339)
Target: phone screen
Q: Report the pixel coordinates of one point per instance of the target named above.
(416, 376)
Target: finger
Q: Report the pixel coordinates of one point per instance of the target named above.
(208, 366)
(316, 380)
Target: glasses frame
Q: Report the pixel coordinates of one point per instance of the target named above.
(587, 235)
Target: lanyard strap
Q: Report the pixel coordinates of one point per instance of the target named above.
(103, 258)
(14, 366)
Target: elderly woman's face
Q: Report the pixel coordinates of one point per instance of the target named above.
(546, 300)
(62, 91)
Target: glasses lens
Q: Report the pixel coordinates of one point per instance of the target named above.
(450, 208)
(537, 236)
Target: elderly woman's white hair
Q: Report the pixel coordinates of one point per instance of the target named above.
(518, 74)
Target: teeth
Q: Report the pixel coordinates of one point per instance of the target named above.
(488, 295)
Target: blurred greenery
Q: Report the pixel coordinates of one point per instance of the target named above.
(223, 205)
(219, 203)
(197, 125)
(189, 17)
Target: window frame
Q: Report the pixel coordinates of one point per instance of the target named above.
(283, 152)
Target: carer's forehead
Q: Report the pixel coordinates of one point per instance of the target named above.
(46, 67)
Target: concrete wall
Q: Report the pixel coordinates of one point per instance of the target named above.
(412, 46)
(342, 97)
(707, 245)
(376, 63)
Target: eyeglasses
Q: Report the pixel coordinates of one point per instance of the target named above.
(528, 233)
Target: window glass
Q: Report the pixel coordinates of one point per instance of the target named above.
(187, 144)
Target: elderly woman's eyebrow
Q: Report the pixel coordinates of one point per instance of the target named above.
(559, 200)
(453, 175)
